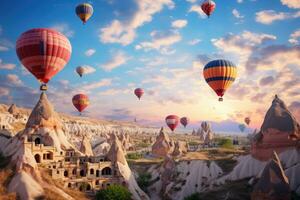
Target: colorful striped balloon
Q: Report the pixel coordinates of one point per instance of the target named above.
(172, 121)
(220, 74)
(84, 11)
(139, 92)
(43, 52)
(80, 101)
(184, 121)
(208, 7)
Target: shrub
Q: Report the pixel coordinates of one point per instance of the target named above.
(226, 143)
(144, 181)
(134, 156)
(114, 192)
(195, 196)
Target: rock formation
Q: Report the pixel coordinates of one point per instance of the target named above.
(273, 183)
(279, 132)
(13, 109)
(180, 148)
(163, 145)
(117, 156)
(167, 172)
(86, 147)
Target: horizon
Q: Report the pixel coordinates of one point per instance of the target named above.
(163, 49)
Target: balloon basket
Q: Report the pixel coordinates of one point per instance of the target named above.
(220, 99)
(43, 87)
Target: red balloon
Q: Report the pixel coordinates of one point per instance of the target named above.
(44, 52)
(80, 101)
(172, 121)
(184, 121)
(247, 120)
(208, 7)
(139, 92)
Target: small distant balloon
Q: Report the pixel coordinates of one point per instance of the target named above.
(242, 127)
(247, 120)
(184, 121)
(80, 70)
(172, 121)
(139, 92)
(208, 7)
(80, 102)
(84, 11)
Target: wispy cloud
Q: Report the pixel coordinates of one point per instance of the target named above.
(270, 16)
(197, 9)
(294, 37)
(291, 3)
(124, 32)
(194, 42)
(117, 60)
(180, 23)
(95, 85)
(8, 66)
(64, 28)
(161, 41)
(90, 52)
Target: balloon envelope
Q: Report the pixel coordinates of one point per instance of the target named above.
(184, 121)
(84, 11)
(139, 92)
(208, 7)
(242, 127)
(80, 70)
(172, 121)
(80, 101)
(247, 120)
(43, 52)
(219, 75)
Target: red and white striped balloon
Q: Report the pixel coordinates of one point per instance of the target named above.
(43, 52)
(139, 92)
(172, 121)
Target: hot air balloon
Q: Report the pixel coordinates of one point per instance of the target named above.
(139, 92)
(184, 121)
(80, 70)
(43, 52)
(80, 101)
(84, 11)
(247, 120)
(220, 74)
(208, 7)
(242, 127)
(172, 121)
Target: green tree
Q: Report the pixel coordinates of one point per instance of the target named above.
(226, 143)
(144, 181)
(114, 192)
(195, 196)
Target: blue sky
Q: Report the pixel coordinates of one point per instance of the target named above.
(161, 46)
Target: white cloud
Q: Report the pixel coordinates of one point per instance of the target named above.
(269, 16)
(191, 1)
(197, 9)
(161, 41)
(124, 32)
(117, 60)
(8, 66)
(294, 37)
(180, 23)
(291, 3)
(88, 69)
(4, 91)
(64, 29)
(237, 14)
(102, 83)
(90, 52)
(14, 79)
(194, 41)
(240, 1)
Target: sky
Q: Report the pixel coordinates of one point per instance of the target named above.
(161, 46)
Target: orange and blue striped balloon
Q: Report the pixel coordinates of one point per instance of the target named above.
(84, 11)
(219, 75)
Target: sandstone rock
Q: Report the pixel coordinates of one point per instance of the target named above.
(163, 145)
(86, 147)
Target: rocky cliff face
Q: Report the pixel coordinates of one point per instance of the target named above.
(273, 183)
(117, 156)
(279, 132)
(163, 145)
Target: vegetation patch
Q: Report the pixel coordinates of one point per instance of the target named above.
(114, 192)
